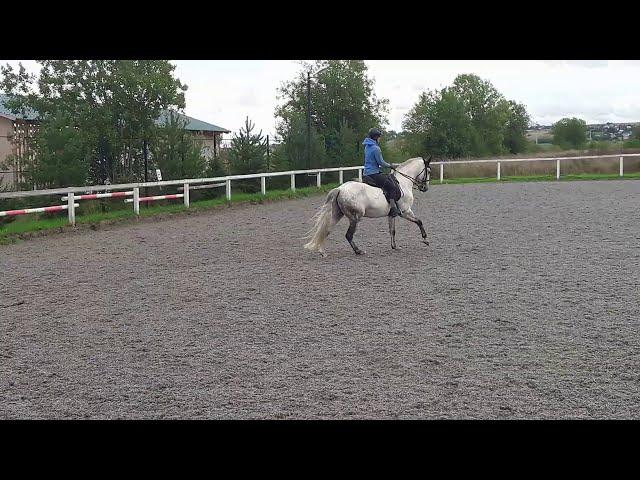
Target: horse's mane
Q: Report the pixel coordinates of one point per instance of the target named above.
(406, 162)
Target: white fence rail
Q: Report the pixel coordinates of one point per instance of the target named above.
(133, 189)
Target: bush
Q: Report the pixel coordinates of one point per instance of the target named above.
(570, 133)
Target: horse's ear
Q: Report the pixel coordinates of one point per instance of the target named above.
(429, 160)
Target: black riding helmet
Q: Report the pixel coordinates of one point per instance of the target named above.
(374, 133)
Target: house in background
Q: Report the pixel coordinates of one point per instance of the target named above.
(15, 132)
(209, 134)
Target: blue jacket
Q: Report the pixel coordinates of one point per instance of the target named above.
(373, 157)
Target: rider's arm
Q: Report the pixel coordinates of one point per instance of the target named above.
(377, 155)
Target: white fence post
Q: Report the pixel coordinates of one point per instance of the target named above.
(318, 181)
(263, 185)
(293, 182)
(228, 190)
(557, 169)
(136, 201)
(498, 170)
(621, 166)
(441, 172)
(72, 209)
(186, 195)
(341, 177)
(360, 174)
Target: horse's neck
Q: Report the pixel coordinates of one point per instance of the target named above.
(410, 170)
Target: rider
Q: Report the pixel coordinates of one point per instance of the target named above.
(372, 162)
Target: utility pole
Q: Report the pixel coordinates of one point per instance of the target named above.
(308, 120)
(146, 167)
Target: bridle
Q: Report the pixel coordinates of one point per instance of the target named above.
(422, 185)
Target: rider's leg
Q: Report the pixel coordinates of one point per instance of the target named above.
(378, 178)
(390, 191)
(385, 183)
(394, 211)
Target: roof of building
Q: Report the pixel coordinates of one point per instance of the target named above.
(5, 112)
(192, 124)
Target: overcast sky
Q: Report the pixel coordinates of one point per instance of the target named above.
(598, 91)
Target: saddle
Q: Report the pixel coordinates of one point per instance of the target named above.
(397, 193)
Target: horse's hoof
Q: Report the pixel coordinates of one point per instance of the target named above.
(323, 254)
(360, 252)
(425, 242)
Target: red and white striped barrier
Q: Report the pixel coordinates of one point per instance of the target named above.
(157, 197)
(56, 208)
(137, 198)
(94, 196)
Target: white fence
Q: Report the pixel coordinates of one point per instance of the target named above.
(133, 189)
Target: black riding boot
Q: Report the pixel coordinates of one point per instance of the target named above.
(394, 211)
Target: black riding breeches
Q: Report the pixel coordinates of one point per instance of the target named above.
(384, 182)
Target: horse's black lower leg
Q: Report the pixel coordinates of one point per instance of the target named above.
(352, 228)
(422, 231)
(392, 232)
(409, 215)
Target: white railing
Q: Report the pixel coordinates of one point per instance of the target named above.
(133, 189)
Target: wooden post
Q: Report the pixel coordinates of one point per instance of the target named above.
(136, 200)
(72, 209)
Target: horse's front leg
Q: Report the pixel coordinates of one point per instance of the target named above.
(409, 215)
(392, 232)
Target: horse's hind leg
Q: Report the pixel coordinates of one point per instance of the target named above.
(392, 232)
(353, 222)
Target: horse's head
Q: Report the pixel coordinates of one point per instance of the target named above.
(424, 177)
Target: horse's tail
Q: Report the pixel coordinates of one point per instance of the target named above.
(328, 215)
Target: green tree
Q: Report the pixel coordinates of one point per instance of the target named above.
(291, 154)
(248, 152)
(394, 146)
(515, 140)
(468, 118)
(61, 156)
(113, 104)
(216, 167)
(347, 148)
(438, 124)
(175, 151)
(570, 133)
(482, 103)
(343, 105)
